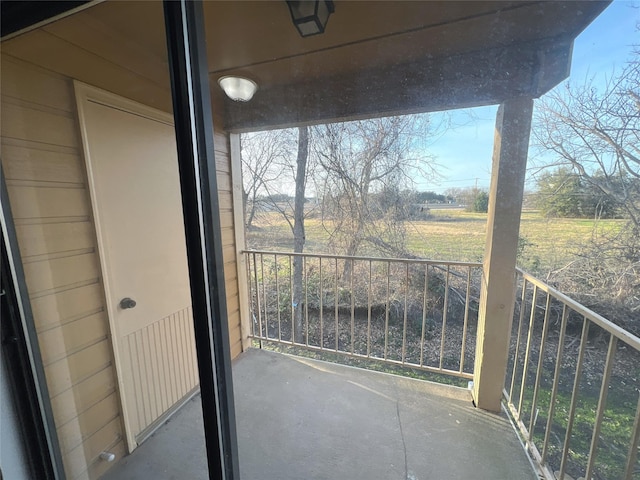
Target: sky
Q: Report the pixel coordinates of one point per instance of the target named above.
(464, 152)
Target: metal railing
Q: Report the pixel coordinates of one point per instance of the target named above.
(573, 386)
(416, 313)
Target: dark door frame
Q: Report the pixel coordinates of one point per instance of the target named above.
(186, 46)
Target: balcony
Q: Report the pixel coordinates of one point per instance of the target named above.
(570, 394)
(300, 418)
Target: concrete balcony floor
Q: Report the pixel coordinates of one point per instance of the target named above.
(305, 419)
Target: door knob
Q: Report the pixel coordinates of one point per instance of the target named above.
(127, 303)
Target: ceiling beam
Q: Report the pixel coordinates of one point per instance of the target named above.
(554, 65)
(431, 84)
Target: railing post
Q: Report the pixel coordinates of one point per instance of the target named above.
(497, 296)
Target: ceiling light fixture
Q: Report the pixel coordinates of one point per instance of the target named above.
(239, 89)
(310, 16)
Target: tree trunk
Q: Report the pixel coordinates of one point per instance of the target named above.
(352, 250)
(249, 210)
(298, 230)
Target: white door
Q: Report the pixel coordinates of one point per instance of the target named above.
(132, 166)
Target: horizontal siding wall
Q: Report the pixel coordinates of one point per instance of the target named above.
(225, 198)
(46, 181)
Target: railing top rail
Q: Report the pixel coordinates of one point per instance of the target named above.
(361, 258)
(607, 325)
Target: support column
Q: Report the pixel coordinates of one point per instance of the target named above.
(497, 295)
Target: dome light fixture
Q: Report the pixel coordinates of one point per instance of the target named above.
(239, 89)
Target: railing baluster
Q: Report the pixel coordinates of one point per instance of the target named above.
(306, 300)
(632, 458)
(545, 329)
(275, 261)
(556, 380)
(386, 316)
(517, 351)
(336, 294)
(424, 312)
(466, 320)
(252, 303)
(445, 309)
(574, 396)
(525, 370)
(258, 307)
(404, 327)
(369, 311)
(293, 307)
(321, 306)
(264, 298)
(353, 310)
(602, 404)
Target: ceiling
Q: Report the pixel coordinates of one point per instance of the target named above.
(374, 58)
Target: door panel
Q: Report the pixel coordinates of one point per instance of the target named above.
(133, 173)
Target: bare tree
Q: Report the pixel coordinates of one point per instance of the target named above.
(365, 165)
(268, 172)
(596, 132)
(299, 237)
(262, 155)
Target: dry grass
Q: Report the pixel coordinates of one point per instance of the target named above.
(548, 243)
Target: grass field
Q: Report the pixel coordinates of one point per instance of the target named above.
(546, 243)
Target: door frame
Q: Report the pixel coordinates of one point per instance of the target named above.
(192, 109)
(84, 94)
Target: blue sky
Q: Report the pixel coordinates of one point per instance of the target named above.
(464, 152)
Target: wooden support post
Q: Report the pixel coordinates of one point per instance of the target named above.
(497, 296)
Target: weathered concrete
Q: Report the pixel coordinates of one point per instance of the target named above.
(303, 419)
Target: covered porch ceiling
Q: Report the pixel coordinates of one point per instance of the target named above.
(375, 58)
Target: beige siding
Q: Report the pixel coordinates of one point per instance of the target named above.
(41, 157)
(223, 171)
(114, 72)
